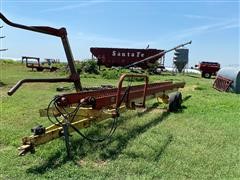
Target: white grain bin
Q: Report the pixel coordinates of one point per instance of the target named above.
(231, 73)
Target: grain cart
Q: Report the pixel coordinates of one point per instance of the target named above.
(120, 57)
(208, 68)
(75, 111)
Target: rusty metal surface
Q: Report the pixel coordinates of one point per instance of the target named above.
(19, 83)
(222, 84)
(108, 97)
(119, 97)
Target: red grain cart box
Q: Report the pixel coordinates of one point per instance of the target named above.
(208, 68)
(120, 57)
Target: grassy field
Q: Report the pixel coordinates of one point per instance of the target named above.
(199, 142)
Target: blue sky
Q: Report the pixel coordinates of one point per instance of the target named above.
(213, 26)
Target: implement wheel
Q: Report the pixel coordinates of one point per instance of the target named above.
(206, 75)
(175, 101)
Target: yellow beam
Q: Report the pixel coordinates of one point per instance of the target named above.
(56, 131)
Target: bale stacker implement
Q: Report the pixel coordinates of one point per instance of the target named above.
(34, 63)
(75, 111)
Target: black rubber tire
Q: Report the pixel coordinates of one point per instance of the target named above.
(175, 101)
(207, 75)
(172, 103)
(179, 100)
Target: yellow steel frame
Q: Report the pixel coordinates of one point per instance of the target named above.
(83, 119)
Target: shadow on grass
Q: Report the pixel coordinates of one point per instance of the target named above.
(2, 84)
(186, 98)
(167, 74)
(162, 149)
(122, 140)
(108, 150)
(52, 163)
(158, 151)
(193, 76)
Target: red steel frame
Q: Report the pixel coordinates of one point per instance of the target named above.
(109, 97)
(118, 101)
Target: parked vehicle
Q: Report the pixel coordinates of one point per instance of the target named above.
(208, 68)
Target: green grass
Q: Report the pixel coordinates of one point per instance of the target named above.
(199, 142)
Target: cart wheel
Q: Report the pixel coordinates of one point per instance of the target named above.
(207, 75)
(175, 101)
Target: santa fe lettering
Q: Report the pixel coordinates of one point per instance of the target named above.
(127, 54)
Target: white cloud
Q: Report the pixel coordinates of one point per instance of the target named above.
(229, 24)
(74, 6)
(101, 40)
(193, 16)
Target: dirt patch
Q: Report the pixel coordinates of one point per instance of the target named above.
(192, 88)
(82, 163)
(100, 163)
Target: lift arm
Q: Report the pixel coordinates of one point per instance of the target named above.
(62, 33)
